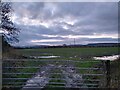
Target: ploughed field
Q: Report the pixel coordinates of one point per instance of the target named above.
(68, 67)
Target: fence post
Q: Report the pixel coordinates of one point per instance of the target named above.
(107, 65)
(1, 62)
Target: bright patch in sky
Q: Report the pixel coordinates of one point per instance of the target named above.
(1, 31)
(85, 36)
(46, 40)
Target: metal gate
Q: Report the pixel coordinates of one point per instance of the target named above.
(35, 73)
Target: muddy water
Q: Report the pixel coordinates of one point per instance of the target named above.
(42, 78)
(44, 57)
(111, 58)
(72, 78)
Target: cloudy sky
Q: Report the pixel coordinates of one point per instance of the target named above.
(57, 23)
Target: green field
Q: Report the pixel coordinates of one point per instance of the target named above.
(70, 53)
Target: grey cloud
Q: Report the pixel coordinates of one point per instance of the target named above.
(78, 9)
(91, 18)
(105, 17)
(30, 9)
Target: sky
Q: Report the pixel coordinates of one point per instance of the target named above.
(58, 23)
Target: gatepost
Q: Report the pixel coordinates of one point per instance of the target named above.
(108, 78)
(0, 61)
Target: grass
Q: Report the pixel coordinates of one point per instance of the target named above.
(73, 53)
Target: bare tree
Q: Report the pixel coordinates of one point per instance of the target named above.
(10, 31)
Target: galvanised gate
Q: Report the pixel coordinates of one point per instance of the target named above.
(45, 74)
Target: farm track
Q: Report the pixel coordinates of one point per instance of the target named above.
(47, 75)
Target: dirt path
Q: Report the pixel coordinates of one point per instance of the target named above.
(39, 80)
(72, 78)
(42, 78)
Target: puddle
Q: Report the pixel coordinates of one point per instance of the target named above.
(40, 80)
(37, 57)
(111, 58)
(43, 77)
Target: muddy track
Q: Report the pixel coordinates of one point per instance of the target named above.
(72, 79)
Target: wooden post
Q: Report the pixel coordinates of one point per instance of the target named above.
(107, 65)
(0, 74)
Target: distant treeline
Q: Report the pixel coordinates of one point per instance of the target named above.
(72, 46)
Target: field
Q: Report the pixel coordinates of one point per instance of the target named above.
(75, 54)
(70, 53)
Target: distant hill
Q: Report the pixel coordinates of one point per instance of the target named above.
(77, 45)
(104, 44)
